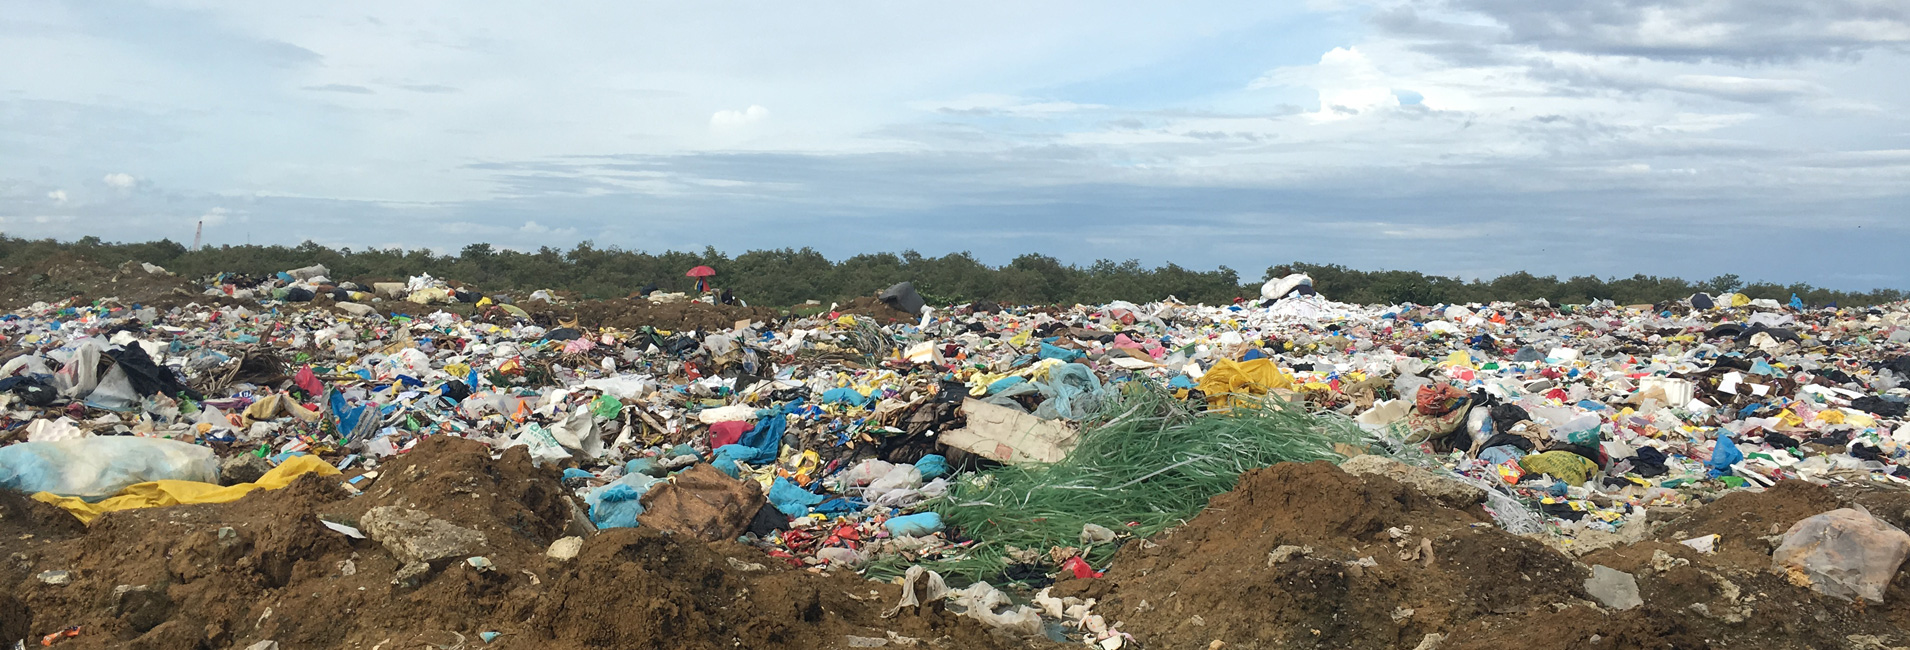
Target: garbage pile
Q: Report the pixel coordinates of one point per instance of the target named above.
(975, 456)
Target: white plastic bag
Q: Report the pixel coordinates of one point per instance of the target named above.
(864, 473)
(114, 393)
(899, 477)
(981, 599)
(580, 432)
(99, 466)
(80, 375)
(542, 445)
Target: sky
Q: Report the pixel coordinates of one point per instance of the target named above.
(1763, 138)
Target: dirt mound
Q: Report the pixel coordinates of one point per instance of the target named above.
(639, 588)
(1305, 555)
(265, 567)
(64, 275)
(635, 313)
(1741, 519)
(1277, 563)
(878, 310)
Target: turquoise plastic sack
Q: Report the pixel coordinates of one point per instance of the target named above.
(915, 525)
(932, 466)
(646, 466)
(1073, 392)
(791, 499)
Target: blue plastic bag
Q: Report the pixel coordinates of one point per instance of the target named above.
(1723, 456)
(618, 504)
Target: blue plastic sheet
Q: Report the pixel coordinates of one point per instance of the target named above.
(791, 499)
(840, 506)
(1003, 383)
(844, 396)
(767, 437)
(1049, 351)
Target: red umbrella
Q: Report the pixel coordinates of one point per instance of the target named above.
(701, 274)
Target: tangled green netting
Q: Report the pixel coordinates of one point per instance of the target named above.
(1147, 462)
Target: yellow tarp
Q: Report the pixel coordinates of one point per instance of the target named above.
(153, 494)
(1255, 377)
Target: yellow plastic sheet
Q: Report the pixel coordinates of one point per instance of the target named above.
(1255, 377)
(1563, 465)
(153, 494)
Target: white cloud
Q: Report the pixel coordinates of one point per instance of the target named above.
(120, 180)
(996, 104)
(1348, 83)
(58, 196)
(535, 228)
(215, 216)
(737, 119)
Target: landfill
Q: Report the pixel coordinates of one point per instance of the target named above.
(304, 461)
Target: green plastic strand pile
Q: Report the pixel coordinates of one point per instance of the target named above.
(1147, 463)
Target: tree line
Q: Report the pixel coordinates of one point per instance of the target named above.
(788, 276)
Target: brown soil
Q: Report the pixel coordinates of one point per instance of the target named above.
(878, 310)
(1211, 580)
(632, 314)
(230, 575)
(64, 275)
(1742, 519)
